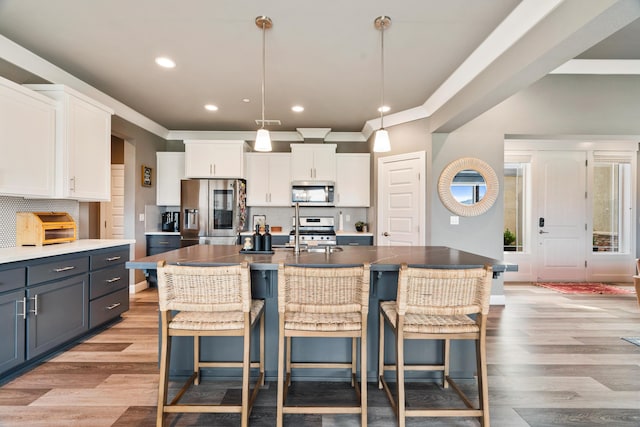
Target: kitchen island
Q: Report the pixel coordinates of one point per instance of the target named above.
(385, 262)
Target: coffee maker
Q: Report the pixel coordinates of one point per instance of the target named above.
(170, 221)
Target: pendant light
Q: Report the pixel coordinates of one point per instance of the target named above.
(381, 142)
(263, 139)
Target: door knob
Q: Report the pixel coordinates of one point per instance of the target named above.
(385, 234)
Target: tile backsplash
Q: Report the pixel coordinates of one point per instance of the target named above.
(10, 205)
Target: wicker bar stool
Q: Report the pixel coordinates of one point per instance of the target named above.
(434, 304)
(322, 302)
(211, 301)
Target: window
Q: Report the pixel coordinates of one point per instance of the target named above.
(611, 204)
(516, 177)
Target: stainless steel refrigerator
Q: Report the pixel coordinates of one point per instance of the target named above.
(213, 211)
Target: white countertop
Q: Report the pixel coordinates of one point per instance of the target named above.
(23, 253)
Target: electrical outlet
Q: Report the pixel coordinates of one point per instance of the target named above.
(141, 217)
(454, 220)
(348, 217)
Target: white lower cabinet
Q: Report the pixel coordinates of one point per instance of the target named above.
(268, 179)
(353, 179)
(27, 132)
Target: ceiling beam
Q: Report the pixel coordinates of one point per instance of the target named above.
(568, 29)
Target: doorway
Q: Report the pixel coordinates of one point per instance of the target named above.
(569, 210)
(401, 200)
(560, 215)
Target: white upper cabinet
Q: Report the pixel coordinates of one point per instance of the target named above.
(313, 162)
(352, 179)
(214, 159)
(268, 179)
(83, 144)
(170, 167)
(27, 135)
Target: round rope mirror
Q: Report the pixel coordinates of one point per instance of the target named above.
(468, 186)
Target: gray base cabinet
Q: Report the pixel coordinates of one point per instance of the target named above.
(49, 302)
(355, 240)
(12, 330)
(109, 285)
(159, 243)
(58, 312)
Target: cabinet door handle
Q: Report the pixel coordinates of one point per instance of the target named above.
(113, 258)
(112, 306)
(163, 243)
(115, 279)
(35, 305)
(61, 269)
(24, 308)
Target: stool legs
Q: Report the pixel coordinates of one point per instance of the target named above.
(280, 368)
(163, 385)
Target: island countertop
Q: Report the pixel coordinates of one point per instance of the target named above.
(385, 262)
(381, 258)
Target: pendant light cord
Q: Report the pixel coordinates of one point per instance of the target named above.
(382, 27)
(263, 68)
(382, 76)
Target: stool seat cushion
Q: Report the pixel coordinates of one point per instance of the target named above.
(323, 321)
(214, 321)
(430, 324)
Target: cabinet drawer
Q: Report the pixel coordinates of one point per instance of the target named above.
(107, 280)
(12, 279)
(58, 269)
(108, 307)
(355, 240)
(160, 241)
(109, 258)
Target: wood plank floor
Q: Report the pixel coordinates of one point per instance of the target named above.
(554, 360)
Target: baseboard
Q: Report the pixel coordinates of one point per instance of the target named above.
(498, 300)
(137, 287)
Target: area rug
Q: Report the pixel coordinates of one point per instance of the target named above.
(584, 288)
(633, 340)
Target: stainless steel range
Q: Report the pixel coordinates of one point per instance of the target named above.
(315, 230)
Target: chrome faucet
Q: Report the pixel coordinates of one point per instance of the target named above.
(296, 239)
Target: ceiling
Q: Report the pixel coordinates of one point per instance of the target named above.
(324, 55)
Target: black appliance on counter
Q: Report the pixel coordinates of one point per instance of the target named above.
(171, 221)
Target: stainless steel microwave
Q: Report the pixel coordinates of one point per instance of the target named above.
(313, 193)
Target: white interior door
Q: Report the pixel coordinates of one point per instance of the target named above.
(401, 195)
(112, 213)
(560, 223)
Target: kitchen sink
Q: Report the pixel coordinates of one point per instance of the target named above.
(326, 249)
(304, 248)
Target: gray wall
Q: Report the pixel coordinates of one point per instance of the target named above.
(557, 106)
(140, 149)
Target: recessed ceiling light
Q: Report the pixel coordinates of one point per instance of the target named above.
(165, 62)
(211, 107)
(384, 109)
(246, 100)
(297, 108)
